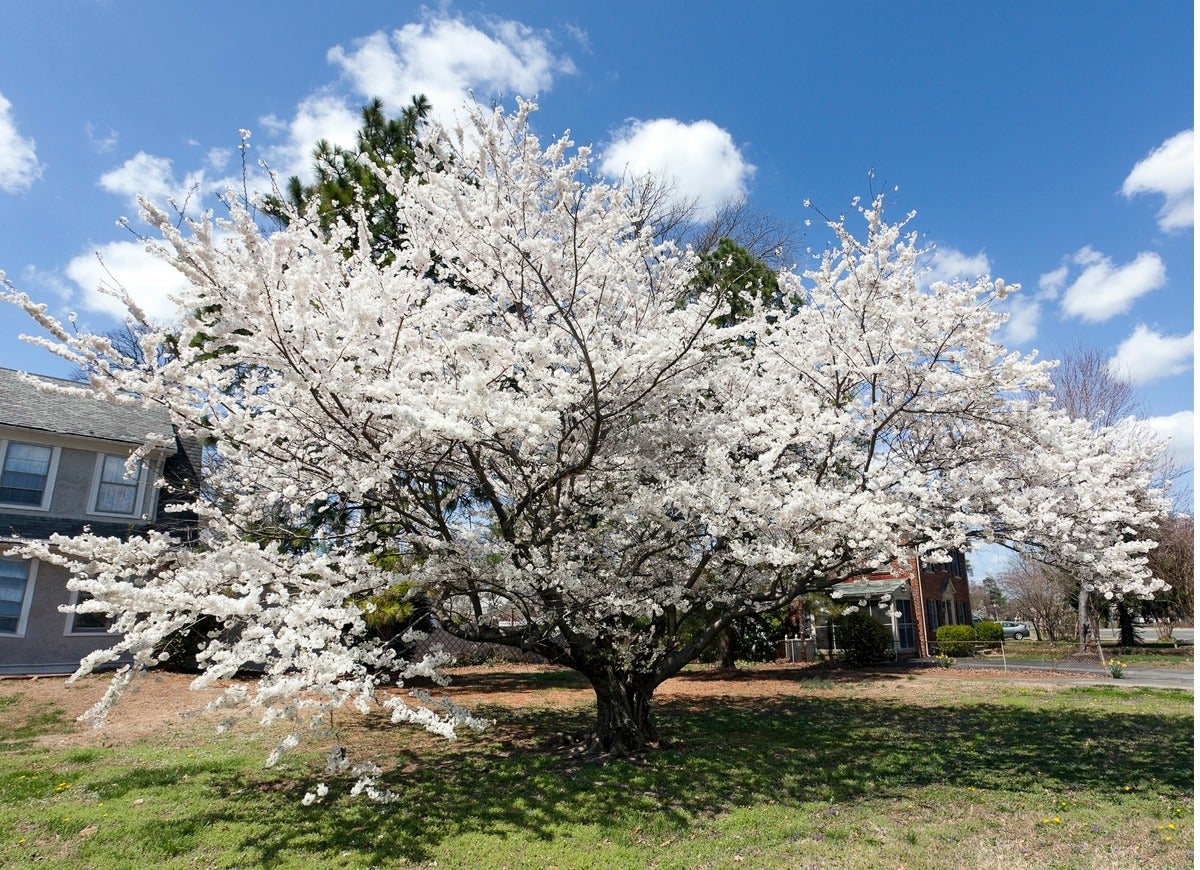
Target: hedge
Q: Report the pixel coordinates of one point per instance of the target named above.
(956, 640)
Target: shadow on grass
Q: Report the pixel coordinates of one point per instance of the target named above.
(20, 728)
(499, 681)
(787, 750)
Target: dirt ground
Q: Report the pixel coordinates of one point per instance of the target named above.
(161, 704)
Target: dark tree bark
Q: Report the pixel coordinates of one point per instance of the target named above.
(1125, 618)
(624, 715)
(727, 649)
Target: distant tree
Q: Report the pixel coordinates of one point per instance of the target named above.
(994, 597)
(1085, 388)
(1039, 593)
(1174, 562)
(126, 342)
(659, 207)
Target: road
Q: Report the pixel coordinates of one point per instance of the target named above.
(1148, 634)
(1091, 673)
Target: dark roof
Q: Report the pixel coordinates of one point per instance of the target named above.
(22, 404)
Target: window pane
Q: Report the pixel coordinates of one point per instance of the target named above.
(88, 623)
(117, 493)
(26, 467)
(113, 471)
(116, 498)
(13, 576)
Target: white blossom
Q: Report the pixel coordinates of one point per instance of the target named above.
(529, 415)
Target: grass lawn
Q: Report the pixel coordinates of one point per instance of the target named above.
(1156, 655)
(796, 768)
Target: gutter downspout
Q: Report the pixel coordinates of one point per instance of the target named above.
(924, 610)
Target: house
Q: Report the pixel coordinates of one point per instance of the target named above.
(913, 598)
(63, 469)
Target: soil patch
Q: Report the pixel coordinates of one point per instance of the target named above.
(163, 704)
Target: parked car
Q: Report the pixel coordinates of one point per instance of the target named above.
(1015, 630)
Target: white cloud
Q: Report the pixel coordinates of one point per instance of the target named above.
(1146, 356)
(1051, 283)
(442, 57)
(19, 165)
(154, 178)
(323, 115)
(217, 159)
(1103, 290)
(949, 264)
(699, 159)
(102, 144)
(1179, 431)
(127, 265)
(448, 60)
(1168, 171)
(1024, 316)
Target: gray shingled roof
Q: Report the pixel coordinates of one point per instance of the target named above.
(23, 404)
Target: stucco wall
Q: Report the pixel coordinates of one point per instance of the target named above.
(46, 647)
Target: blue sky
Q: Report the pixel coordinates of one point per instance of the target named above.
(1045, 143)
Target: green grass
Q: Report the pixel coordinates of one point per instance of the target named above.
(833, 774)
(1156, 655)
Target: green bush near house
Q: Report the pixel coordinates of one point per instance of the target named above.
(863, 640)
(990, 633)
(956, 640)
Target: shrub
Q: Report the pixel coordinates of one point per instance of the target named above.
(863, 640)
(956, 640)
(178, 651)
(990, 633)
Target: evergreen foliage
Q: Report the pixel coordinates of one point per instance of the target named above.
(863, 640)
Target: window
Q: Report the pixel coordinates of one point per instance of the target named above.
(87, 623)
(932, 611)
(26, 474)
(116, 491)
(16, 591)
(904, 622)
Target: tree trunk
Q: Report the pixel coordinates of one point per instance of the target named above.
(1082, 613)
(1125, 618)
(727, 648)
(624, 719)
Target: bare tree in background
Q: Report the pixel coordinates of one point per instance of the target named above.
(126, 340)
(1174, 560)
(1086, 389)
(660, 205)
(1040, 595)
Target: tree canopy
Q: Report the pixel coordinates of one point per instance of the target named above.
(537, 414)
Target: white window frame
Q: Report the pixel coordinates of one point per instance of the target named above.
(51, 473)
(139, 497)
(70, 630)
(27, 601)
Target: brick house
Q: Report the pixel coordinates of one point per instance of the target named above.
(62, 469)
(913, 598)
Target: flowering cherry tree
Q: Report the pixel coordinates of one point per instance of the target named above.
(531, 414)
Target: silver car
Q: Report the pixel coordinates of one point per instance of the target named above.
(1015, 630)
